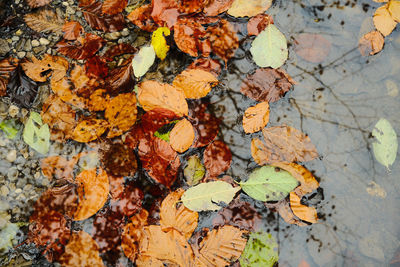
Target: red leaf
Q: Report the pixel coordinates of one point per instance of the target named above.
(165, 12)
(207, 64)
(141, 17)
(112, 7)
(217, 158)
(99, 21)
(96, 68)
(191, 6)
(7, 66)
(84, 49)
(258, 23)
(130, 201)
(117, 50)
(72, 30)
(215, 7)
(120, 79)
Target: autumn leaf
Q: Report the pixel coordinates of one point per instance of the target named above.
(248, 8)
(312, 47)
(152, 94)
(189, 35)
(165, 12)
(58, 167)
(112, 7)
(44, 20)
(179, 218)
(21, 89)
(37, 3)
(217, 158)
(194, 170)
(72, 30)
(81, 48)
(195, 83)
(93, 191)
(96, 67)
(121, 113)
(205, 125)
(216, 7)
(394, 9)
(258, 23)
(141, 17)
(384, 21)
(117, 50)
(261, 249)
(255, 118)
(191, 6)
(286, 213)
(118, 159)
(305, 213)
(37, 134)
(159, 43)
(40, 70)
(207, 64)
(83, 85)
(143, 60)
(120, 79)
(62, 89)
(371, 43)
(89, 129)
(7, 66)
(97, 20)
(182, 136)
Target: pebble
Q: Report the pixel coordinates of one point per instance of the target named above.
(4, 47)
(4, 191)
(13, 111)
(20, 44)
(12, 174)
(44, 41)
(39, 49)
(21, 54)
(112, 35)
(35, 43)
(19, 32)
(18, 191)
(65, 3)
(28, 188)
(49, 51)
(12, 155)
(125, 32)
(69, 10)
(12, 187)
(28, 46)
(15, 38)
(36, 175)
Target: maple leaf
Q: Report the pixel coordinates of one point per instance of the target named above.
(44, 20)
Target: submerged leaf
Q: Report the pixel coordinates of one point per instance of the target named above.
(10, 128)
(217, 158)
(261, 250)
(248, 8)
(143, 60)
(44, 20)
(89, 130)
(255, 118)
(121, 113)
(194, 170)
(312, 47)
(36, 134)
(195, 83)
(385, 146)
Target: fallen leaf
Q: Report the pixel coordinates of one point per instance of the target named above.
(118, 159)
(179, 218)
(120, 79)
(385, 144)
(383, 20)
(97, 20)
(112, 7)
(62, 89)
(375, 189)
(7, 66)
(21, 89)
(148, 262)
(261, 249)
(259, 152)
(394, 9)
(81, 250)
(217, 158)
(57, 167)
(165, 12)
(303, 263)
(141, 17)
(205, 125)
(269, 49)
(221, 247)
(83, 85)
(216, 7)
(10, 128)
(182, 136)
(191, 6)
(269, 184)
(258, 23)
(40, 70)
(255, 118)
(143, 60)
(189, 36)
(286, 213)
(96, 68)
(159, 43)
(44, 20)
(194, 171)
(89, 129)
(93, 191)
(72, 30)
(81, 48)
(98, 100)
(121, 114)
(207, 64)
(267, 85)
(209, 196)
(133, 234)
(371, 43)
(37, 3)
(117, 50)
(195, 83)
(165, 131)
(152, 94)
(305, 213)
(36, 134)
(248, 8)
(129, 203)
(312, 47)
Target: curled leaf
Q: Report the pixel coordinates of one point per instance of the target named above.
(305, 213)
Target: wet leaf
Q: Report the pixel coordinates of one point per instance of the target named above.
(40, 70)
(248, 8)
(117, 50)
(182, 136)
(72, 30)
(165, 131)
(57, 167)
(82, 48)
(37, 3)
(312, 47)
(152, 94)
(148, 262)
(121, 113)
(82, 251)
(305, 213)
(385, 146)
(143, 60)
(133, 234)
(130, 201)
(62, 89)
(207, 64)
(215, 7)
(221, 247)
(10, 128)
(176, 217)
(191, 6)
(287, 214)
(194, 170)
(93, 191)
(97, 20)
(7, 66)
(206, 126)
(189, 37)
(165, 12)
(394, 9)
(217, 158)
(269, 184)
(159, 43)
(44, 20)
(112, 7)
(269, 49)
(21, 88)
(209, 196)
(261, 249)
(195, 83)
(141, 17)
(384, 21)
(36, 134)
(118, 159)
(255, 118)
(120, 79)
(371, 43)
(96, 68)
(267, 85)
(89, 129)
(83, 85)
(258, 23)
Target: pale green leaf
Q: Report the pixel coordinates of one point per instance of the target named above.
(36, 134)
(261, 250)
(209, 196)
(10, 128)
(143, 60)
(269, 49)
(194, 170)
(385, 146)
(269, 184)
(7, 234)
(159, 43)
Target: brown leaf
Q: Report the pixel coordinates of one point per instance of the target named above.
(258, 23)
(130, 201)
(217, 158)
(96, 68)
(141, 17)
(57, 166)
(121, 113)
(60, 117)
(191, 6)
(221, 247)
(120, 79)
(305, 213)
(165, 12)
(259, 152)
(152, 94)
(40, 70)
(207, 64)
(371, 43)
(62, 89)
(216, 7)
(44, 20)
(99, 21)
(7, 66)
(98, 100)
(119, 49)
(37, 3)
(312, 47)
(83, 85)
(249, 8)
(195, 83)
(72, 30)
(267, 84)
(255, 118)
(93, 191)
(118, 159)
(205, 125)
(82, 48)
(176, 217)
(112, 7)
(182, 136)
(81, 251)
(89, 129)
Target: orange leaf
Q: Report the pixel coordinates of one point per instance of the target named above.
(305, 213)
(383, 20)
(98, 100)
(37, 3)
(179, 218)
(248, 8)
(38, 70)
(141, 17)
(121, 113)
(147, 261)
(371, 43)
(287, 214)
(93, 191)
(195, 83)
(182, 136)
(259, 152)
(255, 118)
(112, 7)
(89, 130)
(72, 30)
(62, 89)
(153, 95)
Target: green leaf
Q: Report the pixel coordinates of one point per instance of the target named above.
(209, 196)
(36, 134)
(10, 128)
(7, 234)
(268, 184)
(159, 43)
(261, 250)
(385, 147)
(194, 170)
(143, 60)
(164, 131)
(269, 49)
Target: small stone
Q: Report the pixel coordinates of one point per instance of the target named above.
(21, 197)
(39, 49)
(35, 43)
(125, 32)
(48, 51)
(12, 174)
(15, 38)
(12, 155)
(28, 188)
(18, 191)
(112, 35)
(17, 2)
(21, 54)
(44, 41)
(28, 46)
(13, 111)
(69, 10)
(19, 32)
(65, 3)
(36, 175)
(12, 187)
(4, 191)
(4, 47)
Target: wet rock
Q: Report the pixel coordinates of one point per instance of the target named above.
(35, 43)
(4, 191)
(4, 47)
(44, 41)
(13, 111)
(12, 155)
(15, 38)
(19, 32)
(112, 35)
(20, 44)
(125, 32)
(39, 49)
(28, 46)
(70, 10)
(12, 174)
(21, 54)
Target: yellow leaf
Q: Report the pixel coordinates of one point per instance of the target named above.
(383, 21)
(159, 43)
(195, 83)
(394, 9)
(255, 118)
(308, 214)
(182, 136)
